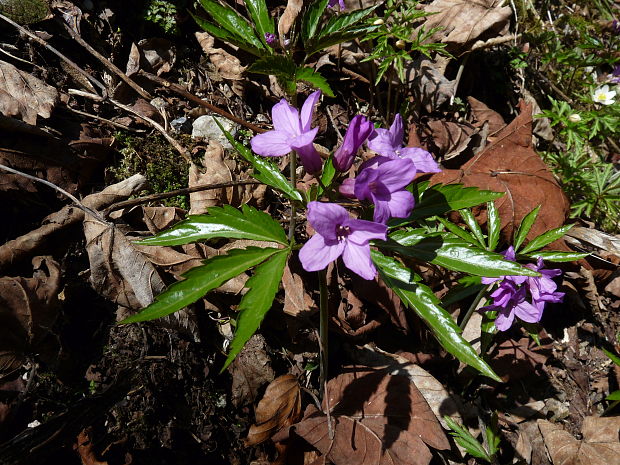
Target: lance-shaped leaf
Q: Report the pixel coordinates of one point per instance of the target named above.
(265, 171)
(260, 16)
(339, 37)
(227, 36)
(423, 301)
(225, 221)
(526, 224)
(439, 199)
(315, 79)
(345, 21)
(546, 238)
(453, 253)
(255, 304)
(494, 225)
(553, 256)
(276, 65)
(311, 19)
(233, 22)
(200, 280)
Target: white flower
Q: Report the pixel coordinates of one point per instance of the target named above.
(603, 95)
(34, 424)
(574, 118)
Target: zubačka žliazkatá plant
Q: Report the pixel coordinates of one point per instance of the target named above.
(390, 220)
(318, 25)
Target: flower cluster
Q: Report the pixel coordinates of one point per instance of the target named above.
(522, 296)
(381, 180)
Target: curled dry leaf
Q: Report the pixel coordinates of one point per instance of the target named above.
(296, 299)
(250, 370)
(377, 418)
(452, 139)
(212, 170)
(293, 7)
(155, 55)
(431, 88)
(24, 96)
(28, 309)
(279, 407)
(226, 65)
(462, 21)
(599, 445)
(481, 114)
(511, 165)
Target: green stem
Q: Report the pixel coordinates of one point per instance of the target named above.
(293, 170)
(323, 328)
(473, 306)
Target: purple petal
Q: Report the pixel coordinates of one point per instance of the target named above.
(382, 211)
(358, 131)
(423, 160)
(380, 141)
(363, 183)
(363, 231)
(397, 131)
(357, 259)
(396, 174)
(325, 217)
(310, 158)
(347, 188)
(528, 312)
(307, 109)
(509, 254)
(401, 204)
(271, 144)
(504, 319)
(489, 280)
(305, 138)
(286, 118)
(315, 255)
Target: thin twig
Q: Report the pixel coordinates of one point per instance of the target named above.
(324, 344)
(174, 193)
(74, 199)
(458, 77)
(189, 96)
(99, 118)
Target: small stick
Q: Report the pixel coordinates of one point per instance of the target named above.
(189, 96)
(174, 193)
(105, 120)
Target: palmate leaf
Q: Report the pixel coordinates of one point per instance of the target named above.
(439, 199)
(265, 171)
(343, 22)
(338, 38)
(453, 253)
(311, 19)
(226, 221)
(315, 79)
(255, 304)
(276, 65)
(422, 300)
(226, 36)
(202, 279)
(260, 16)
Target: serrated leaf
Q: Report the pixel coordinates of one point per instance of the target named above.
(200, 280)
(225, 221)
(315, 79)
(226, 36)
(422, 300)
(233, 22)
(266, 172)
(311, 19)
(344, 21)
(439, 199)
(276, 65)
(558, 257)
(526, 224)
(458, 231)
(473, 226)
(260, 16)
(255, 304)
(452, 253)
(546, 238)
(493, 225)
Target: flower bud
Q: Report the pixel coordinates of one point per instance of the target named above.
(400, 43)
(378, 22)
(574, 118)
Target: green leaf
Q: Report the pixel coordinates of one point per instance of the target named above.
(226, 36)
(553, 256)
(546, 238)
(458, 231)
(493, 225)
(225, 221)
(255, 304)
(613, 357)
(526, 224)
(260, 16)
(464, 438)
(329, 171)
(338, 38)
(276, 65)
(311, 19)
(422, 300)
(200, 280)
(344, 21)
(473, 225)
(233, 22)
(439, 199)
(613, 396)
(315, 79)
(452, 253)
(266, 171)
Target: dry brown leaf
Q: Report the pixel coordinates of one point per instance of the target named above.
(226, 65)
(296, 299)
(24, 96)
(464, 21)
(155, 55)
(378, 419)
(28, 309)
(599, 446)
(250, 370)
(279, 407)
(212, 170)
(512, 166)
(452, 139)
(431, 88)
(159, 218)
(481, 114)
(85, 448)
(293, 7)
(517, 359)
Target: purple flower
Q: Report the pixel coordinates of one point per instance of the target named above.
(270, 38)
(615, 75)
(510, 299)
(615, 27)
(389, 143)
(332, 3)
(358, 131)
(291, 132)
(338, 234)
(385, 187)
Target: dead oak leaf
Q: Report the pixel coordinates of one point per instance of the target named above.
(377, 419)
(279, 407)
(511, 165)
(599, 446)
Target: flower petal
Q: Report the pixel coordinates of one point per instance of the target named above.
(401, 204)
(357, 259)
(396, 174)
(347, 188)
(286, 118)
(358, 131)
(310, 158)
(423, 160)
(325, 217)
(382, 211)
(307, 109)
(528, 312)
(504, 319)
(363, 231)
(271, 144)
(304, 138)
(363, 182)
(315, 255)
(380, 141)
